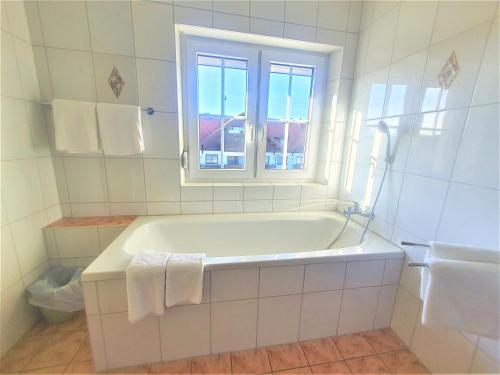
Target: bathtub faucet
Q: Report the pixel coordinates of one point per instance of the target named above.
(356, 210)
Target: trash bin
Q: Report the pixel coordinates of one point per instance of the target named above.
(58, 294)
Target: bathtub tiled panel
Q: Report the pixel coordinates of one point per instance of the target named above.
(250, 307)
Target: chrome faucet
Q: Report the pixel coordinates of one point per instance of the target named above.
(356, 210)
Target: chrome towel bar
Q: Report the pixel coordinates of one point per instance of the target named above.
(414, 264)
(408, 243)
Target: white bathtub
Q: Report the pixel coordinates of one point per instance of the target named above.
(242, 239)
(269, 279)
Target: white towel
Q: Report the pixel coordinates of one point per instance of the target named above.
(146, 284)
(442, 250)
(184, 280)
(120, 128)
(461, 289)
(75, 126)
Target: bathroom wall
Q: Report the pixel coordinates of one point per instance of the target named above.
(443, 184)
(78, 43)
(29, 192)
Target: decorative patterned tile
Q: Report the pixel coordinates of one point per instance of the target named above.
(215, 363)
(116, 82)
(180, 366)
(370, 364)
(321, 351)
(403, 361)
(383, 340)
(286, 356)
(253, 361)
(331, 368)
(352, 346)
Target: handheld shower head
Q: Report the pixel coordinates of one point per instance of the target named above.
(384, 129)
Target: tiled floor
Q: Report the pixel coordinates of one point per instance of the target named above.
(64, 349)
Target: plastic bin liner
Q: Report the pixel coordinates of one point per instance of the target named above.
(58, 289)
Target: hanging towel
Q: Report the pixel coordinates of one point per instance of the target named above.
(75, 126)
(442, 250)
(184, 280)
(120, 128)
(461, 287)
(146, 284)
(463, 295)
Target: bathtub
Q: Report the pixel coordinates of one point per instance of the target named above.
(269, 279)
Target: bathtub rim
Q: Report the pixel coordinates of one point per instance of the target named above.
(111, 263)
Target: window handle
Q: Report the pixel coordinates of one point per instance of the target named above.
(251, 129)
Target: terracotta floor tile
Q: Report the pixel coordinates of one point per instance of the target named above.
(57, 370)
(301, 370)
(181, 366)
(383, 340)
(253, 361)
(321, 351)
(212, 364)
(85, 351)
(60, 350)
(137, 370)
(21, 353)
(287, 356)
(367, 365)
(333, 368)
(403, 362)
(76, 323)
(85, 367)
(352, 346)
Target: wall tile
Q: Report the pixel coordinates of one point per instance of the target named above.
(266, 27)
(112, 295)
(72, 74)
(354, 21)
(29, 242)
(104, 65)
(185, 331)
(153, 30)
(48, 181)
(234, 325)
(299, 32)
(406, 310)
(162, 180)
(108, 235)
(164, 208)
(225, 207)
(10, 266)
(139, 341)
(11, 82)
(364, 273)
(278, 320)
(125, 179)
(333, 14)
(157, 84)
(65, 24)
(193, 208)
(18, 22)
(324, 276)
(477, 159)
(110, 25)
(16, 135)
(273, 10)
(197, 193)
(97, 342)
(161, 135)
(228, 192)
(420, 205)
(139, 209)
(275, 281)
(231, 22)
(487, 81)
(77, 242)
(198, 4)
(385, 306)
(301, 12)
(319, 317)
(358, 310)
(234, 284)
(379, 51)
(263, 205)
(27, 70)
(86, 179)
(190, 16)
(240, 7)
(464, 205)
(42, 73)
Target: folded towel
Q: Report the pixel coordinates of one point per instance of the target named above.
(463, 295)
(75, 126)
(184, 280)
(442, 250)
(146, 284)
(120, 128)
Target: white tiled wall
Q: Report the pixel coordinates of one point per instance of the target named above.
(77, 45)
(29, 192)
(244, 308)
(444, 181)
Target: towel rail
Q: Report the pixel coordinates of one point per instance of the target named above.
(149, 110)
(415, 264)
(408, 243)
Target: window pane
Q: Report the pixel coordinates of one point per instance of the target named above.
(296, 145)
(234, 143)
(277, 68)
(209, 60)
(275, 144)
(278, 96)
(300, 94)
(210, 141)
(235, 91)
(209, 89)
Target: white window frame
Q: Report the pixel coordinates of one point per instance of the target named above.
(259, 59)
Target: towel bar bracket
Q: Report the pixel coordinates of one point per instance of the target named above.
(414, 264)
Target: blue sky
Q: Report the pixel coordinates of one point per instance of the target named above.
(209, 86)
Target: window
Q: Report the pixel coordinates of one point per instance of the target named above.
(244, 125)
